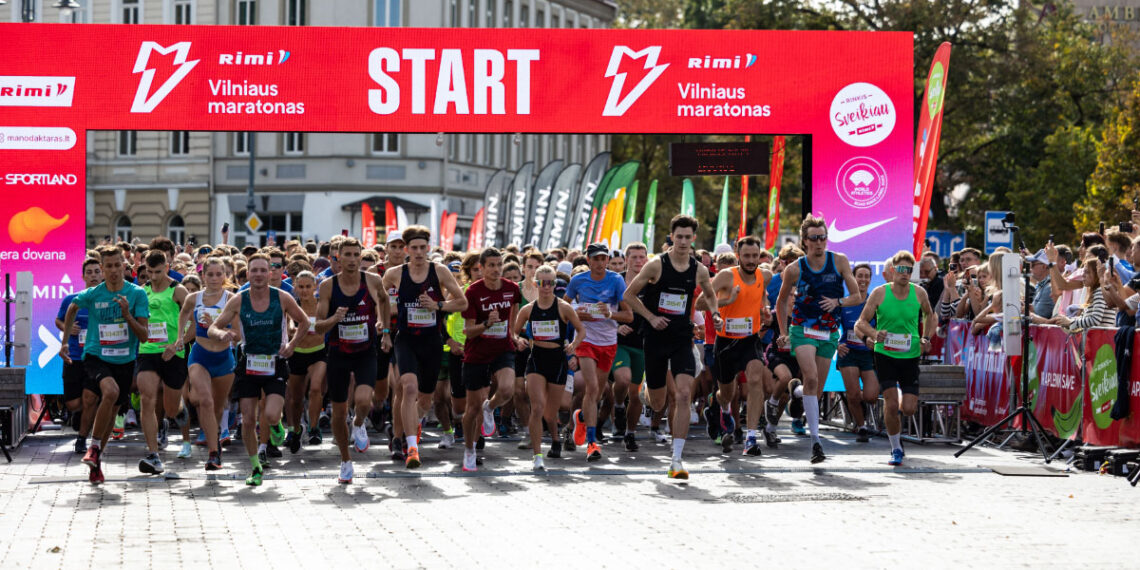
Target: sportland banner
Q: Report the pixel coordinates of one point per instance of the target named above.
(926, 147)
(851, 91)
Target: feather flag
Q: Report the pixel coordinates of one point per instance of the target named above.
(631, 204)
(475, 238)
(390, 221)
(722, 218)
(776, 174)
(650, 213)
(401, 218)
(688, 201)
(367, 225)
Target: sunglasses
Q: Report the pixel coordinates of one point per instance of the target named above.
(904, 269)
(817, 238)
(546, 282)
(275, 265)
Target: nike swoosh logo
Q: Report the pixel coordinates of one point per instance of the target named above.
(836, 235)
(483, 299)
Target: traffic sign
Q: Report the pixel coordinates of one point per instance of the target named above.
(945, 243)
(253, 222)
(996, 233)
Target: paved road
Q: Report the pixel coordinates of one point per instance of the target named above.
(851, 511)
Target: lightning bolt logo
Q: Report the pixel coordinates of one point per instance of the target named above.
(181, 50)
(616, 107)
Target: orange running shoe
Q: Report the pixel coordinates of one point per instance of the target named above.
(676, 471)
(593, 452)
(413, 460)
(579, 428)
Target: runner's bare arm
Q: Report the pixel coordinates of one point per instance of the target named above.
(392, 278)
(930, 320)
(863, 326)
(290, 307)
(325, 321)
(458, 301)
(180, 294)
(138, 325)
(791, 277)
(571, 317)
(705, 285)
(651, 271)
(380, 297)
(218, 329)
(624, 313)
(519, 323)
(184, 315)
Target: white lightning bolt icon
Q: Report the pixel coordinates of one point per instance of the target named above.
(616, 108)
(181, 50)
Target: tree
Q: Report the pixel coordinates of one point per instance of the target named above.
(1116, 181)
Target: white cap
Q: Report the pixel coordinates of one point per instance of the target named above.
(722, 248)
(394, 236)
(565, 267)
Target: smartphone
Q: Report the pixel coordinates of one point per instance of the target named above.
(225, 227)
(1050, 238)
(344, 233)
(1102, 229)
(953, 267)
(1126, 227)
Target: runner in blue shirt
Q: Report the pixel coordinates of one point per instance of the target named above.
(73, 375)
(855, 363)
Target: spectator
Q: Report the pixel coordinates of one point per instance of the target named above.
(1094, 312)
(929, 276)
(1042, 305)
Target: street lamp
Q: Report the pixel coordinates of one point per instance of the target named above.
(67, 9)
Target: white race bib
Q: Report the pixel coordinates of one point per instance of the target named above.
(853, 338)
(420, 317)
(353, 333)
(156, 333)
(82, 337)
(113, 333)
(312, 325)
(116, 352)
(497, 330)
(545, 330)
(595, 310)
(739, 327)
(897, 342)
(213, 312)
(672, 304)
(260, 364)
(816, 334)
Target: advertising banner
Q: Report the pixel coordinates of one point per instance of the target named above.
(519, 204)
(558, 219)
(987, 381)
(954, 351)
(1130, 426)
(1100, 392)
(1055, 381)
(582, 200)
(539, 207)
(926, 147)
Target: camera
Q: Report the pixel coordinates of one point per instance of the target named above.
(953, 267)
(1126, 227)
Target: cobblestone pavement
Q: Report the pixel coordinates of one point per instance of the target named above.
(850, 511)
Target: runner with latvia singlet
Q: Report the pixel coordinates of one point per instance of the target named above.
(897, 308)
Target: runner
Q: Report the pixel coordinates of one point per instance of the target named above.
(117, 314)
(386, 372)
(855, 363)
(897, 308)
(160, 361)
(420, 285)
(629, 362)
(489, 353)
(742, 298)
(529, 292)
(597, 294)
(307, 368)
(818, 279)
(353, 308)
(261, 370)
(669, 281)
(211, 361)
(81, 407)
(784, 381)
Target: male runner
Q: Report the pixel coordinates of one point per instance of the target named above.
(419, 286)
(359, 309)
(597, 294)
(82, 409)
(629, 364)
(262, 368)
(897, 308)
(117, 315)
(669, 281)
(818, 279)
(161, 359)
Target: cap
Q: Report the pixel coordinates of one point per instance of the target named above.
(565, 267)
(394, 236)
(320, 265)
(597, 249)
(722, 248)
(454, 266)
(1039, 257)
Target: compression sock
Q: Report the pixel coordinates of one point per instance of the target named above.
(678, 447)
(896, 440)
(811, 410)
(591, 434)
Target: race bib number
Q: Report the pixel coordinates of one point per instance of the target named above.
(595, 310)
(816, 334)
(260, 364)
(353, 333)
(420, 317)
(82, 337)
(853, 338)
(897, 342)
(740, 327)
(497, 330)
(156, 333)
(312, 325)
(113, 334)
(213, 313)
(116, 352)
(545, 330)
(672, 304)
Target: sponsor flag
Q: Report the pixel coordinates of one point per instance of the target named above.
(743, 231)
(367, 225)
(612, 232)
(389, 218)
(535, 215)
(624, 175)
(558, 218)
(631, 204)
(442, 227)
(475, 238)
(600, 199)
(775, 176)
(688, 201)
(493, 198)
(926, 147)
(582, 201)
(401, 218)
(722, 217)
(518, 205)
(433, 217)
(447, 231)
(650, 213)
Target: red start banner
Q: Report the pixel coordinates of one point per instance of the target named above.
(1055, 383)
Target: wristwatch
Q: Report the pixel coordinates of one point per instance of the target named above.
(385, 331)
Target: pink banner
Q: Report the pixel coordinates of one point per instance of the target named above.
(954, 347)
(1100, 394)
(987, 381)
(1055, 381)
(1130, 426)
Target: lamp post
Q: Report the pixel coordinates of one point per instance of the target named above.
(66, 8)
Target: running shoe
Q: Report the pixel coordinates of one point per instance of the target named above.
(398, 449)
(593, 452)
(772, 412)
(263, 458)
(214, 462)
(555, 450)
(726, 442)
(293, 441)
(458, 427)
(488, 428)
(469, 460)
(186, 451)
(478, 460)
(117, 432)
(413, 460)
(80, 444)
(163, 426)
(324, 422)
(277, 434)
(771, 439)
(524, 441)
(96, 475)
(677, 471)
(272, 451)
(131, 419)
(579, 423)
(360, 439)
(151, 464)
(795, 403)
(600, 436)
(862, 435)
(752, 447)
(254, 479)
(91, 459)
(727, 424)
(225, 438)
(798, 427)
(817, 455)
(658, 436)
(630, 442)
(201, 440)
(480, 443)
(619, 421)
(538, 464)
(896, 457)
(738, 434)
(447, 440)
(346, 473)
(568, 437)
(712, 422)
(315, 437)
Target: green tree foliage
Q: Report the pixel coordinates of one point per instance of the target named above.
(1116, 181)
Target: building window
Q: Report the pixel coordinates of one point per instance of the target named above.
(130, 11)
(179, 143)
(241, 143)
(555, 20)
(488, 149)
(294, 143)
(245, 12)
(176, 230)
(452, 147)
(128, 143)
(123, 229)
(489, 15)
(508, 12)
(524, 16)
(296, 13)
(453, 13)
(388, 14)
(385, 143)
(183, 12)
(540, 18)
(286, 226)
(469, 152)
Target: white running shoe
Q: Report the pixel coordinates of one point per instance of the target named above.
(469, 460)
(488, 419)
(186, 450)
(345, 473)
(659, 437)
(132, 420)
(360, 438)
(447, 440)
(524, 441)
(538, 465)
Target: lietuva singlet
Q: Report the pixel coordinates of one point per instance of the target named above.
(672, 297)
(162, 328)
(900, 320)
(264, 331)
(742, 317)
(213, 310)
(811, 289)
(546, 325)
(357, 331)
(414, 319)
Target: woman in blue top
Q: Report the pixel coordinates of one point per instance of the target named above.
(855, 362)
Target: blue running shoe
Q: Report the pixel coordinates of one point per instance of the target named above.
(727, 422)
(201, 438)
(225, 437)
(896, 457)
(752, 447)
(798, 427)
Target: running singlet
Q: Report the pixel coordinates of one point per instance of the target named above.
(900, 320)
(356, 332)
(584, 290)
(264, 330)
(850, 337)
(413, 318)
(773, 294)
(742, 317)
(75, 342)
(108, 336)
(496, 339)
(636, 338)
(201, 310)
(810, 290)
(546, 325)
(163, 324)
(672, 297)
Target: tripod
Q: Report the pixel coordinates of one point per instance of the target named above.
(1022, 411)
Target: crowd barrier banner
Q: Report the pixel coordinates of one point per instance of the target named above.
(1100, 377)
(1130, 426)
(987, 381)
(954, 347)
(1055, 382)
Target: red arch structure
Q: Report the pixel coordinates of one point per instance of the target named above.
(852, 93)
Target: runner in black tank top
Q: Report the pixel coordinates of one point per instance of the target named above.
(629, 364)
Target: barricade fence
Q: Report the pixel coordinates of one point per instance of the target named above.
(1073, 383)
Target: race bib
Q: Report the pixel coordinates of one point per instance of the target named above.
(897, 342)
(116, 352)
(312, 325)
(113, 334)
(82, 337)
(816, 334)
(497, 330)
(353, 333)
(420, 317)
(213, 312)
(853, 338)
(740, 327)
(260, 364)
(672, 304)
(545, 330)
(595, 310)
(156, 333)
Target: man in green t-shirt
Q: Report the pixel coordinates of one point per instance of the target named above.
(117, 314)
